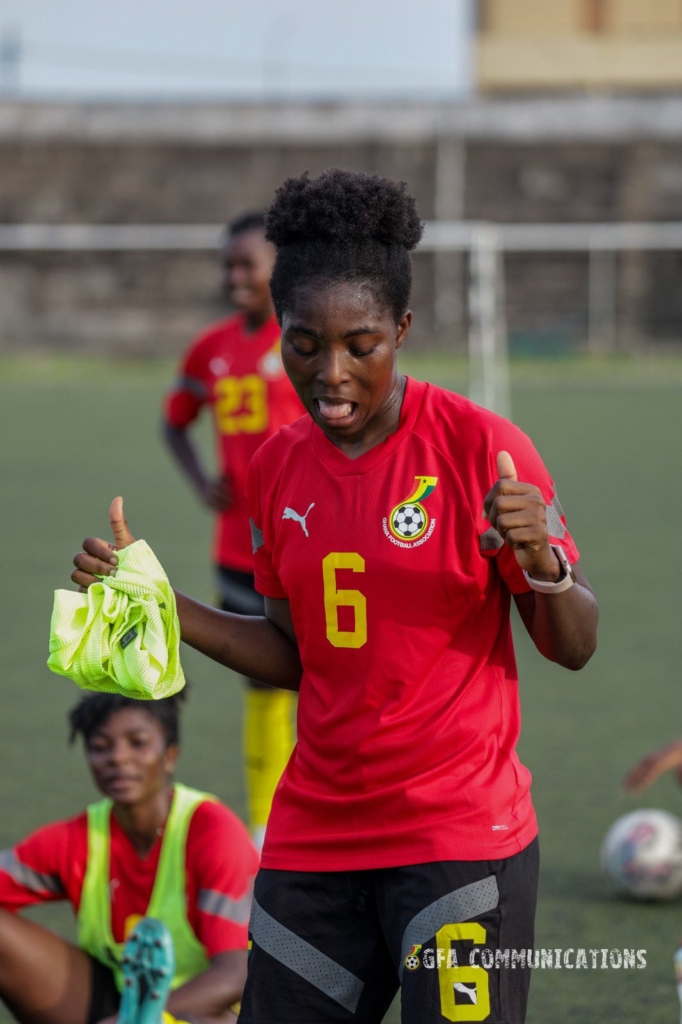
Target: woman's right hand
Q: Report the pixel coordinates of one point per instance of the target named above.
(216, 494)
(98, 557)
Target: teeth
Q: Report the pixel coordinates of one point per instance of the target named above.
(331, 411)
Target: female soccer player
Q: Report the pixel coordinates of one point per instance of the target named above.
(235, 367)
(391, 528)
(148, 847)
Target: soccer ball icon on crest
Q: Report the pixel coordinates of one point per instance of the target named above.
(409, 520)
(412, 961)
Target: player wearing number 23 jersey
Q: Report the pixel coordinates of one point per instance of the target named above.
(399, 593)
(239, 374)
(235, 368)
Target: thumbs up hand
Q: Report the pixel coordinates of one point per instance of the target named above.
(119, 525)
(98, 557)
(517, 511)
(506, 470)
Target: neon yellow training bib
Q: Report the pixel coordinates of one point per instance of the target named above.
(168, 901)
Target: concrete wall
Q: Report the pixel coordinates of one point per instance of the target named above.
(160, 165)
(539, 160)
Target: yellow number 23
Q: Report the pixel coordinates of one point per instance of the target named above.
(241, 404)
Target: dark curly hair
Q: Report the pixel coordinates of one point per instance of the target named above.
(254, 220)
(344, 226)
(93, 710)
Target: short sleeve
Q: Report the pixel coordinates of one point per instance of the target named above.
(222, 863)
(189, 394)
(30, 871)
(530, 470)
(266, 580)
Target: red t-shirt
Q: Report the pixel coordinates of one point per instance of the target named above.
(220, 861)
(242, 378)
(399, 590)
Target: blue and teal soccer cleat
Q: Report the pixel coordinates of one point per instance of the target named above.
(148, 967)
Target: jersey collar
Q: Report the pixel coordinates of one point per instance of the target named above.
(341, 465)
(266, 330)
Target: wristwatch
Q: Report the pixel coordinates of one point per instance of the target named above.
(565, 581)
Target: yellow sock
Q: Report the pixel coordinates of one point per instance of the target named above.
(168, 1018)
(268, 742)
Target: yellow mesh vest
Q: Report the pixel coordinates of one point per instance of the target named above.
(168, 902)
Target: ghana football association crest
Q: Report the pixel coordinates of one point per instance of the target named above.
(412, 961)
(408, 523)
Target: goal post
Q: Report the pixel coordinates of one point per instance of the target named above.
(488, 349)
(487, 346)
(483, 245)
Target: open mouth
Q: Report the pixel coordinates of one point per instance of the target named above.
(335, 412)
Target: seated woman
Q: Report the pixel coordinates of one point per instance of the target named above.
(151, 847)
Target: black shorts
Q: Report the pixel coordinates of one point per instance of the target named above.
(236, 592)
(105, 997)
(335, 946)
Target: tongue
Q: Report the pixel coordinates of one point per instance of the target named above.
(330, 411)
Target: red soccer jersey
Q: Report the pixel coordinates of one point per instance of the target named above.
(399, 590)
(220, 860)
(241, 376)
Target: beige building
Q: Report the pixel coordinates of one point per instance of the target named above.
(534, 45)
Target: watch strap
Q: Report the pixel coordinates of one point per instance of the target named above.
(565, 582)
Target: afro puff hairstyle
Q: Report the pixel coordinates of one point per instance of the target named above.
(343, 226)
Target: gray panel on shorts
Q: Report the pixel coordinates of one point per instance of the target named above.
(460, 905)
(299, 956)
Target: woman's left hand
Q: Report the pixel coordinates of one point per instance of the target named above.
(518, 512)
(646, 771)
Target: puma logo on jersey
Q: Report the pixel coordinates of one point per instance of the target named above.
(290, 513)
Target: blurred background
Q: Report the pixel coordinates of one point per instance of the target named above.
(543, 141)
(167, 119)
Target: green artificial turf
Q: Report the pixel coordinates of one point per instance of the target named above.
(76, 433)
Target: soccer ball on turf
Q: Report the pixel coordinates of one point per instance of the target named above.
(642, 855)
(408, 521)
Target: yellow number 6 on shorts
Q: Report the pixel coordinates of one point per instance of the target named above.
(472, 979)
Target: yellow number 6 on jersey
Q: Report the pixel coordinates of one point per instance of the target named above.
(335, 599)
